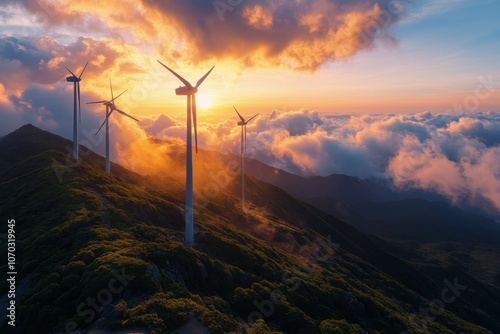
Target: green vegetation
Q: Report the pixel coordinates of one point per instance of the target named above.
(106, 251)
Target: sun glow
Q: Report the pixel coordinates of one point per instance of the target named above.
(204, 101)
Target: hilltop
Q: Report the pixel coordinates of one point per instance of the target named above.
(105, 252)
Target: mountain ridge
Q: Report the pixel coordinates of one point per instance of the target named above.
(424, 228)
(91, 224)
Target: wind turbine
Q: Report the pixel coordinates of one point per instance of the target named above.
(243, 125)
(110, 107)
(190, 92)
(77, 108)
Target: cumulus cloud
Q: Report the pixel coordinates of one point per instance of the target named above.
(457, 156)
(482, 129)
(156, 127)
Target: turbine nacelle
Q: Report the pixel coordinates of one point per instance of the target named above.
(77, 106)
(73, 79)
(110, 107)
(186, 90)
(243, 122)
(189, 91)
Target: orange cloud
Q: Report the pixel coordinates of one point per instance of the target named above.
(341, 37)
(293, 34)
(258, 17)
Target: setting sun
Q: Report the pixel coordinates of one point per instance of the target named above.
(204, 101)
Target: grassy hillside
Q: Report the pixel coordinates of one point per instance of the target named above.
(105, 252)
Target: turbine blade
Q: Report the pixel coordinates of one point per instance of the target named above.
(252, 118)
(125, 114)
(73, 74)
(100, 127)
(107, 116)
(83, 69)
(198, 84)
(119, 95)
(79, 103)
(103, 101)
(242, 119)
(111, 86)
(184, 81)
(194, 123)
(245, 138)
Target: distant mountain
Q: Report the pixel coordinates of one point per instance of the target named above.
(424, 225)
(340, 188)
(425, 221)
(104, 253)
(375, 208)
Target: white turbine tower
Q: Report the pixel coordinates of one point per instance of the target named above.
(243, 125)
(77, 108)
(190, 92)
(110, 107)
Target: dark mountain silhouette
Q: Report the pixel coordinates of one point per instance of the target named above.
(341, 188)
(425, 221)
(104, 252)
(425, 227)
(374, 207)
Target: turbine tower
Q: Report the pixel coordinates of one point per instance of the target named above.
(190, 92)
(77, 108)
(243, 125)
(110, 107)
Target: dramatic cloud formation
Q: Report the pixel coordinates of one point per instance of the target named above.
(42, 60)
(301, 35)
(453, 155)
(33, 87)
(296, 34)
(124, 38)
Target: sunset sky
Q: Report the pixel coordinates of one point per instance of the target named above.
(406, 90)
(333, 56)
